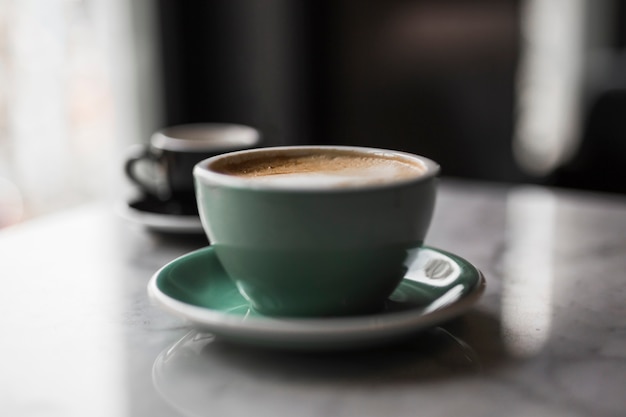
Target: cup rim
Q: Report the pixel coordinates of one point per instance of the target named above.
(202, 172)
(230, 136)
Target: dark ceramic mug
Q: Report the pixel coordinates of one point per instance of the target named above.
(173, 152)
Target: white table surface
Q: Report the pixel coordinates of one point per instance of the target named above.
(81, 338)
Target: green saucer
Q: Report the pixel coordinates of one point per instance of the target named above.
(437, 286)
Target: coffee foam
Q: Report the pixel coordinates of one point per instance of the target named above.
(325, 169)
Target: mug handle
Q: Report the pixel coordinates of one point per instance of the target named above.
(137, 154)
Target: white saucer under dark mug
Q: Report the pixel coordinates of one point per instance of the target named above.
(165, 216)
(437, 287)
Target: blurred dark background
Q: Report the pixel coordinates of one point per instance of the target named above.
(510, 91)
(439, 78)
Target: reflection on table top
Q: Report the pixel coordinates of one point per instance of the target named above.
(80, 336)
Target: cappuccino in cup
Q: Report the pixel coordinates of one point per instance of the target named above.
(309, 231)
(322, 168)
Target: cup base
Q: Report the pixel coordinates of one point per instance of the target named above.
(281, 313)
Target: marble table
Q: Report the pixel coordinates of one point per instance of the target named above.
(80, 337)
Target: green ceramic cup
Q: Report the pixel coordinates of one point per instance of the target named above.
(309, 248)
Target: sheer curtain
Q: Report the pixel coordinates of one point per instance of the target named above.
(71, 98)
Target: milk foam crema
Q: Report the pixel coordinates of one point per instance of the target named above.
(326, 169)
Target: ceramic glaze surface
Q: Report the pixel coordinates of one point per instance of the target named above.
(437, 286)
(309, 252)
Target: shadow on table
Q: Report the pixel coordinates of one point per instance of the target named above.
(200, 373)
(465, 346)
